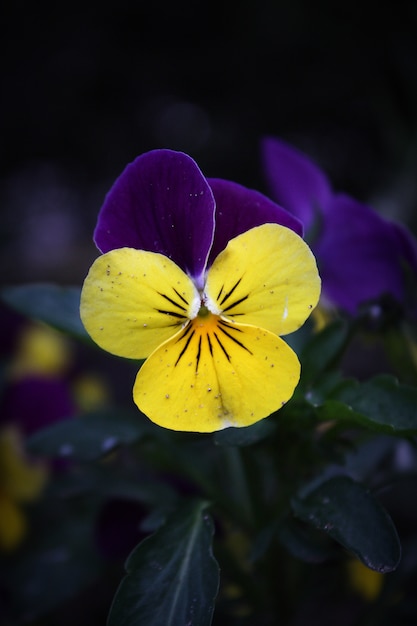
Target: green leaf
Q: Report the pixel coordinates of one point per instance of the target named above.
(399, 344)
(304, 542)
(324, 349)
(245, 436)
(89, 436)
(349, 514)
(381, 404)
(172, 577)
(57, 306)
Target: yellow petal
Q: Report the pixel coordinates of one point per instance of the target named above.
(214, 374)
(133, 300)
(266, 277)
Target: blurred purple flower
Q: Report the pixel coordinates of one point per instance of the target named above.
(361, 256)
(36, 391)
(35, 402)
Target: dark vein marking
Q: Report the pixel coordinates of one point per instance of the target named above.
(239, 343)
(230, 326)
(198, 354)
(229, 293)
(231, 306)
(173, 301)
(222, 347)
(187, 343)
(220, 292)
(172, 313)
(210, 344)
(186, 331)
(180, 296)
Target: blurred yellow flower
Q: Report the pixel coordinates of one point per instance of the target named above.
(41, 350)
(21, 481)
(364, 581)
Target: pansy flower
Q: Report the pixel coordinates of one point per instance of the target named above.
(199, 277)
(361, 256)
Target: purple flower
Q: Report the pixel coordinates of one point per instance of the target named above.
(361, 256)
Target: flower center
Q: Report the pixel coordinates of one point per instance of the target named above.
(206, 306)
(203, 312)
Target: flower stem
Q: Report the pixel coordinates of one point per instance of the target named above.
(238, 483)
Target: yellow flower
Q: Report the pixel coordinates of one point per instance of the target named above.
(214, 357)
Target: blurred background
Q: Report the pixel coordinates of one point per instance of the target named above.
(87, 87)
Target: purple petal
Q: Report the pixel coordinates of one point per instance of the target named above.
(295, 182)
(360, 255)
(238, 209)
(161, 203)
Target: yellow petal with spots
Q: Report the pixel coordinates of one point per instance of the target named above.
(266, 277)
(214, 374)
(133, 300)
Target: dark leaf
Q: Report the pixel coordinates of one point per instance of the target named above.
(324, 349)
(172, 577)
(381, 404)
(349, 514)
(303, 542)
(89, 436)
(57, 306)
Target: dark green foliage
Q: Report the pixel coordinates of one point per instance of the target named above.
(246, 526)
